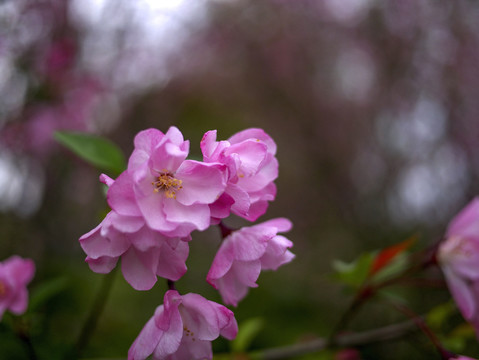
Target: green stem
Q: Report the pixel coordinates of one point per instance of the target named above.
(95, 312)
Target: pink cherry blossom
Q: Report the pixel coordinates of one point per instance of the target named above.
(145, 253)
(460, 357)
(15, 274)
(252, 168)
(172, 194)
(458, 257)
(183, 328)
(244, 253)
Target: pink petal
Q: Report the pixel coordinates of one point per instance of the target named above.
(152, 208)
(19, 302)
(221, 263)
(226, 321)
(231, 290)
(276, 253)
(251, 155)
(171, 263)
(129, 224)
(146, 342)
(466, 223)
(139, 268)
(101, 265)
(281, 224)
(200, 317)
(167, 158)
(203, 183)
(247, 272)
(250, 243)
(121, 196)
(267, 174)
(197, 214)
(256, 134)
(462, 294)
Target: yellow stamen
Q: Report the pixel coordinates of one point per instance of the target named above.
(168, 184)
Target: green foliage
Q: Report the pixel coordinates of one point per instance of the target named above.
(45, 291)
(95, 150)
(248, 330)
(354, 273)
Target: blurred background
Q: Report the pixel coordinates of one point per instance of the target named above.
(373, 104)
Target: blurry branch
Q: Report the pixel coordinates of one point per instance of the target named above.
(385, 333)
(96, 310)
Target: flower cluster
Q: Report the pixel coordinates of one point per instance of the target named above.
(159, 200)
(15, 274)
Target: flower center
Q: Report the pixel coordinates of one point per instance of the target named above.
(168, 184)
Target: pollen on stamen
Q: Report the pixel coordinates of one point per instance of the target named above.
(167, 183)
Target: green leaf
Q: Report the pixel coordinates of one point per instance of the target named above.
(247, 331)
(45, 291)
(354, 273)
(440, 314)
(96, 150)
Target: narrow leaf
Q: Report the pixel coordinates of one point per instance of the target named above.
(96, 150)
(386, 255)
(246, 334)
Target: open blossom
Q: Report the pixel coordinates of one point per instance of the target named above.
(458, 257)
(15, 274)
(172, 194)
(183, 328)
(252, 167)
(244, 253)
(145, 254)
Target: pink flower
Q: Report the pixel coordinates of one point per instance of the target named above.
(145, 253)
(252, 168)
(244, 253)
(460, 357)
(183, 328)
(458, 257)
(15, 274)
(172, 194)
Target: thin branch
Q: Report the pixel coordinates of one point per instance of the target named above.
(97, 308)
(385, 333)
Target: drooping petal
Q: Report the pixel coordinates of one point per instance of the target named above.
(101, 265)
(462, 293)
(139, 268)
(147, 340)
(171, 262)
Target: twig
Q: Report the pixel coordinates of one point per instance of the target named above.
(97, 308)
(385, 333)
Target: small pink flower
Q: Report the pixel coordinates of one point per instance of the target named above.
(244, 253)
(252, 167)
(183, 328)
(172, 194)
(458, 257)
(15, 274)
(460, 357)
(145, 253)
